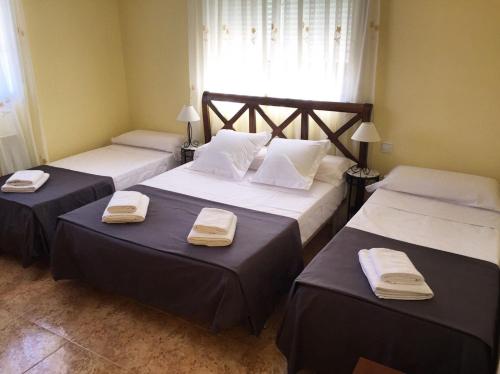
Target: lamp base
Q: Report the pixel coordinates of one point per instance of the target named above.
(193, 144)
(356, 169)
(190, 142)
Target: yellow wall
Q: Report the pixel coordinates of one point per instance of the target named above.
(438, 85)
(438, 76)
(79, 72)
(156, 58)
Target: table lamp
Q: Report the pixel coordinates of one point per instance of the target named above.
(366, 133)
(188, 114)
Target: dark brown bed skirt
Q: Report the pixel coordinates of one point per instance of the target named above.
(152, 261)
(28, 220)
(333, 318)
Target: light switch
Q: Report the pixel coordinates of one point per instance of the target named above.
(386, 147)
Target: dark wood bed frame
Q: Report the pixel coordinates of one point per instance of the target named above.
(303, 108)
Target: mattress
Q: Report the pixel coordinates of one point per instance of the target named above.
(310, 208)
(125, 164)
(431, 223)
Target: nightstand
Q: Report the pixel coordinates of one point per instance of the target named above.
(358, 178)
(187, 153)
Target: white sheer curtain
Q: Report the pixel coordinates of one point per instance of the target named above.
(305, 49)
(18, 148)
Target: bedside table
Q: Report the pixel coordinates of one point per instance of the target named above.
(187, 153)
(359, 178)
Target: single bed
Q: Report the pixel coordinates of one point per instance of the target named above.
(28, 221)
(221, 287)
(126, 165)
(333, 318)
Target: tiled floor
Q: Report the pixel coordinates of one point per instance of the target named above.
(68, 327)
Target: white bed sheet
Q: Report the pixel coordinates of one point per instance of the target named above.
(310, 208)
(463, 230)
(125, 164)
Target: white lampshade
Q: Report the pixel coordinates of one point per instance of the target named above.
(188, 114)
(366, 132)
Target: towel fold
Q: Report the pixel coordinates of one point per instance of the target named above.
(386, 290)
(25, 178)
(28, 188)
(125, 202)
(138, 216)
(394, 266)
(213, 240)
(214, 221)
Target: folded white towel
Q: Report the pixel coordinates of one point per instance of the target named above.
(125, 202)
(385, 290)
(25, 178)
(138, 216)
(214, 221)
(26, 189)
(395, 266)
(213, 240)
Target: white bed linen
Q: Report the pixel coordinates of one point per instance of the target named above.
(125, 164)
(310, 208)
(463, 230)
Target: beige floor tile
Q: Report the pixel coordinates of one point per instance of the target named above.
(20, 286)
(109, 329)
(127, 334)
(5, 318)
(23, 344)
(68, 307)
(12, 273)
(71, 359)
(190, 349)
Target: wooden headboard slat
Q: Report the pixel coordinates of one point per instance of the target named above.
(346, 126)
(303, 108)
(238, 114)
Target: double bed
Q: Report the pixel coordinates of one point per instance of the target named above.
(28, 220)
(221, 287)
(333, 318)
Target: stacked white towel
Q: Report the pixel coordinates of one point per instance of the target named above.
(213, 228)
(25, 181)
(395, 266)
(126, 207)
(391, 275)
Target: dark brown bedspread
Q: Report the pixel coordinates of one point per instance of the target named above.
(28, 220)
(152, 261)
(333, 317)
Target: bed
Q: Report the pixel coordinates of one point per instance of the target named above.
(333, 318)
(125, 165)
(28, 221)
(221, 287)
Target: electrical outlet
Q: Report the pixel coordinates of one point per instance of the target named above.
(386, 147)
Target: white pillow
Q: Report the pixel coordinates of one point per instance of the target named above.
(458, 188)
(161, 141)
(230, 153)
(199, 150)
(257, 161)
(332, 168)
(292, 163)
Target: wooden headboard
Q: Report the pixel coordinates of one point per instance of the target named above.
(303, 108)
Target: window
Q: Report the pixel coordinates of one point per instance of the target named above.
(285, 48)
